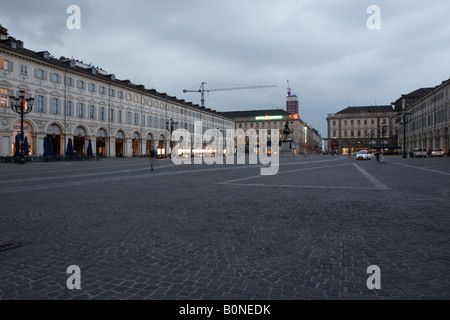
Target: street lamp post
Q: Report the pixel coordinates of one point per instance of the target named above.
(171, 126)
(22, 106)
(404, 120)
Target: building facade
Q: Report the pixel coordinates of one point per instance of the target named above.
(363, 128)
(81, 102)
(427, 119)
(292, 102)
(304, 138)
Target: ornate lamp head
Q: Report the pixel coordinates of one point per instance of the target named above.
(21, 104)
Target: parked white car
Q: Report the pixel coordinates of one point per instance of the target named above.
(437, 152)
(364, 155)
(420, 152)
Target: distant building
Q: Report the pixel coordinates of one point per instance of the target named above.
(81, 102)
(411, 98)
(305, 138)
(428, 118)
(363, 128)
(292, 102)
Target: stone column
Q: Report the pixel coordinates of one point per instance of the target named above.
(112, 147)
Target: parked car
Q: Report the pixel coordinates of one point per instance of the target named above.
(437, 152)
(420, 152)
(364, 155)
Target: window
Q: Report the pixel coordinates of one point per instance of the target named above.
(240, 125)
(111, 115)
(54, 108)
(54, 77)
(334, 124)
(40, 103)
(101, 114)
(91, 111)
(143, 100)
(366, 133)
(359, 122)
(365, 122)
(161, 123)
(136, 118)
(136, 99)
(6, 65)
(128, 97)
(352, 122)
(345, 122)
(4, 98)
(251, 125)
(372, 122)
(23, 69)
(112, 93)
(120, 94)
(68, 108)
(359, 133)
(81, 84)
(80, 110)
(143, 120)
(69, 82)
(149, 121)
(334, 133)
(128, 117)
(352, 133)
(92, 87)
(102, 90)
(384, 121)
(40, 74)
(119, 116)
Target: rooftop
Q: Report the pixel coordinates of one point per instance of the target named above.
(71, 65)
(366, 109)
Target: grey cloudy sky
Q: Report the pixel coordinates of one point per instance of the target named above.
(323, 47)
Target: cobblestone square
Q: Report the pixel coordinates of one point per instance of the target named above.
(225, 232)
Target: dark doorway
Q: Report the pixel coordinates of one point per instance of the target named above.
(79, 145)
(119, 147)
(56, 144)
(101, 147)
(135, 147)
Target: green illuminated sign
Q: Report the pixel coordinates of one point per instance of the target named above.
(268, 118)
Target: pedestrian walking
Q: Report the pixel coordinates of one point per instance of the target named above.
(152, 159)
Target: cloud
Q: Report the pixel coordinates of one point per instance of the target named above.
(323, 47)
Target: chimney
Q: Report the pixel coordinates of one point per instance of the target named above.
(3, 33)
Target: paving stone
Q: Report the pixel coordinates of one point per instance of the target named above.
(180, 234)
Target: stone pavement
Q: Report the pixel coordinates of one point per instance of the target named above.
(225, 232)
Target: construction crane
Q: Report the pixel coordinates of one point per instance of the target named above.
(202, 90)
